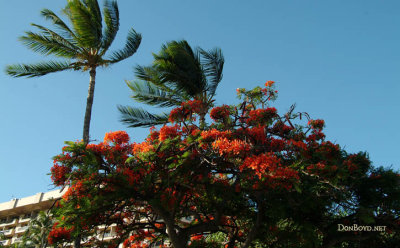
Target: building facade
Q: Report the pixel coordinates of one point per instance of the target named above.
(16, 214)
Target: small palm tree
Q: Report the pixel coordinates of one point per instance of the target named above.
(2, 238)
(178, 74)
(82, 46)
(37, 233)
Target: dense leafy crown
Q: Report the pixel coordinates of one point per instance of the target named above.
(177, 74)
(251, 178)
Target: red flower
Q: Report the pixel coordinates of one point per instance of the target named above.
(168, 132)
(220, 113)
(58, 174)
(186, 110)
(316, 124)
(118, 137)
(196, 237)
(261, 116)
(213, 134)
(234, 147)
(258, 133)
(268, 166)
(350, 165)
(76, 190)
(58, 234)
(269, 83)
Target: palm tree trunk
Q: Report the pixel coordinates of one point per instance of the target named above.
(86, 125)
(89, 104)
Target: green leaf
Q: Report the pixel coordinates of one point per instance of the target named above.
(86, 20)
(137, 117)
(213, 64)
(154, 95)
(297, 187)
(111, 19)
(132, 44)
(37, 70)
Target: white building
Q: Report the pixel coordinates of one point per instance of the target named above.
(16, 214)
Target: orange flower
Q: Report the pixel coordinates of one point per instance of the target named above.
(269, 83)
(118, 137)
(168, 132)
(234, 147)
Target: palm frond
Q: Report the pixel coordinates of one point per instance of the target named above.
(47, 45)
(87, 25)
(177, 63)
(37, 70)
(137, 117)
(95, 14)
(47, 35)
(147, 73)
(50, 15)
(153, 95)
(213, 64)
(111, 19)
(151, 74)
(38, 231)
(132, 44)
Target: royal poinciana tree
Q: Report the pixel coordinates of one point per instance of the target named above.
(250, 178)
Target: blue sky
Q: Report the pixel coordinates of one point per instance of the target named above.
(337, 60)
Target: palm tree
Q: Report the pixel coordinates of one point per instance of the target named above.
(177, 74)
(37, 233)
(82, 47)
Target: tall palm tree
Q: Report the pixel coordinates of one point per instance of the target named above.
(177, 74)
(82, 46)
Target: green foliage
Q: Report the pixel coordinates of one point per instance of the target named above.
(38, 231)
(178, 74)
(85, 43)
(83, 46)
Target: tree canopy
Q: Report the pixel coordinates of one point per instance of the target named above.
(250, 178)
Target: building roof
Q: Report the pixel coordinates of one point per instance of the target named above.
(39, 201)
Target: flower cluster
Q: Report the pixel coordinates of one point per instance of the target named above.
(76, 190)
(213, 134)
(118, 137)
(261, 116)
(220, 113)
(268, 166)
(269, 83)
(231, 147)
(58, 234)
(169, 132)
(316, 124)
(186, 110)
(138, 240)
(59, 174)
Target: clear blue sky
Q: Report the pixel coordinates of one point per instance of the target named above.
(337, 60)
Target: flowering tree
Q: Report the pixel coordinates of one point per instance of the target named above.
(251, 178)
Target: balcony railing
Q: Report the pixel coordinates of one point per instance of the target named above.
(4, 242)
(16, 240)
(21, 229)
(8, 222)
(25, 218)
(7, 232)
